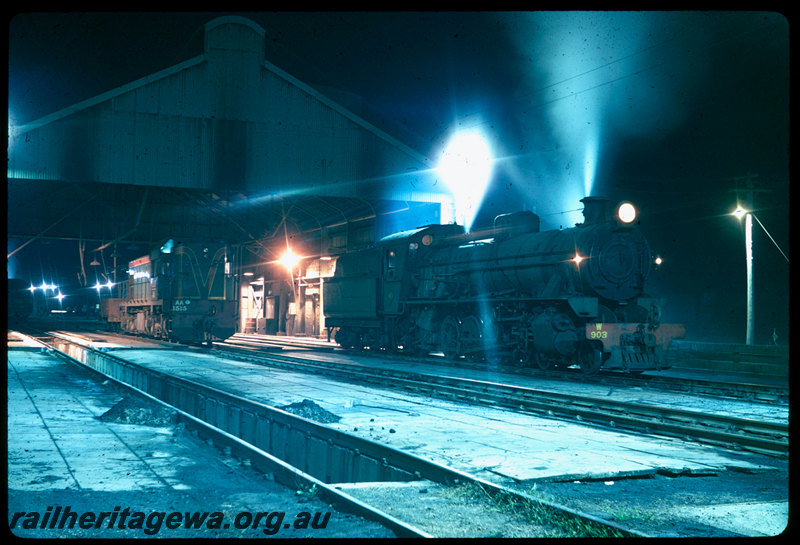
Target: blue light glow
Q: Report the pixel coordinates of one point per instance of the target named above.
(466, 168)
(598, 83)
(589, 166)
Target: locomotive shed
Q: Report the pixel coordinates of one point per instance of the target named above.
(505, 447)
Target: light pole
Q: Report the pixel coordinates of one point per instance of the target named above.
(290, 260)
(748, 245)
(748, 240)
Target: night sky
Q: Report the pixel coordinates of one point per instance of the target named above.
(671, 110)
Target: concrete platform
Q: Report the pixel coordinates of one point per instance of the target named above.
(492, 443)
(67, 451)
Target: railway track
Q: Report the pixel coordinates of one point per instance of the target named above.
(747, 391)
(721, 430)
(300, 452)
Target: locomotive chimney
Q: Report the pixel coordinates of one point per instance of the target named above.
(594, 210)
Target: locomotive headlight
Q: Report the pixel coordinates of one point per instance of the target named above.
(626, 212)
(577, 259)
(658, 261)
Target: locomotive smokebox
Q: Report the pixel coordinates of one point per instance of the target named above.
(594, 210)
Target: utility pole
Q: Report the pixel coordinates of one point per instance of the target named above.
(745, 209)
(748, 244)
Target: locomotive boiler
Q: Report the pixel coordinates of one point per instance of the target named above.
(517, 294)
(180, 292)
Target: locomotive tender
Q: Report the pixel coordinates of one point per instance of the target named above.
(546, 299)
(181, 292)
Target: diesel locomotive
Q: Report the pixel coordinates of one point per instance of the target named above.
(181, 292)
(533, 298)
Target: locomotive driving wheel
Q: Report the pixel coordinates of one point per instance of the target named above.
(471, 337)
(449, 338)
(402, 336)
(545, 361)
(521, 357)
(590, 357)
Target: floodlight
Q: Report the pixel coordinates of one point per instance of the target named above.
(466, 167)
(289, 259)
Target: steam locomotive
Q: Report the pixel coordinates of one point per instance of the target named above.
(180, 292)
(546, 299)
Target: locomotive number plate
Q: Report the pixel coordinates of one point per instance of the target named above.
(179, 308)
(596, 331)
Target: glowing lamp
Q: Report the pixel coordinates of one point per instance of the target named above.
(289, 259)
(626, 212)
(577, 259)
(60, 296)
(658, 261)
(739, 212)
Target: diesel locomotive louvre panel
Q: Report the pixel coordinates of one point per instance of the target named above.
(181, 292)
(552, 298)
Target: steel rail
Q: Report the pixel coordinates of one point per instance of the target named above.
(731, 432)
(762, 393)
(314, 452)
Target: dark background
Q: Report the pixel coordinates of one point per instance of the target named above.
(671, 110)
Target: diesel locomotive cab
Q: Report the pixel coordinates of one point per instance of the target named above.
(180, 291)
